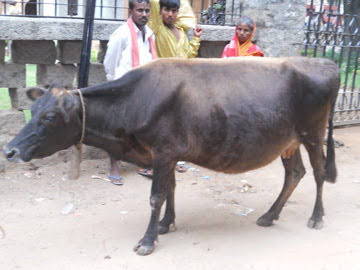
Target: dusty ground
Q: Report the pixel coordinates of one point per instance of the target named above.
(214, 228)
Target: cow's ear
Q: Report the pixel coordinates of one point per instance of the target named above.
(34, 93)
(68, 106)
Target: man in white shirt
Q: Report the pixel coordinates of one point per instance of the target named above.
(131, 45)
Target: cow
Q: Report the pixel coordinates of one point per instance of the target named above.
(228, 115)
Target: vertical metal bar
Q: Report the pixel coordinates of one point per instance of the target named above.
(356, 60)
(101, 8)
(86, 45)
(347, 71)
(349, 49)
(115, 8)
(353, 79)
(356, 70)
(327, 30)
(349, 45)
(343, 52)
(342, 41)
(22, 7)
(307, 34)
(335, 34)
(318, 28)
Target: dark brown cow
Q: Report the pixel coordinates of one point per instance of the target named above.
(229, 115)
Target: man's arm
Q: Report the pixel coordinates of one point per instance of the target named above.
(194, 43)
(186, 18)
(155, 19)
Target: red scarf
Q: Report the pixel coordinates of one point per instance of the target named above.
(134, 45)
(248, 48)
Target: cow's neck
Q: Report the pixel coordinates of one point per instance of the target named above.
(95, 118)
(102, 130)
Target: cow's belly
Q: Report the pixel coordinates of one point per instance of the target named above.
(238, 158)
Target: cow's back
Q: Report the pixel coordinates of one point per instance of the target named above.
(245, 81)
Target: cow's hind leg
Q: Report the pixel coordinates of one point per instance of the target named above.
(163, 180)
(317, 160)
(294, 171)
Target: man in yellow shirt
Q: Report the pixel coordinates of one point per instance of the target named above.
(170, 20)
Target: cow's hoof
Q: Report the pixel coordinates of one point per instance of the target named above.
(142, 249)
(265, 220)
(165, 229)
(315, 224)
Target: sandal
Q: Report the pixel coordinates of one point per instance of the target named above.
(146, 172)
(180, 168)
(116, 180)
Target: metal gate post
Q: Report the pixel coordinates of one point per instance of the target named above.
(83, 74)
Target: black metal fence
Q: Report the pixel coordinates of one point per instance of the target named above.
(332, 30)
(217, 12)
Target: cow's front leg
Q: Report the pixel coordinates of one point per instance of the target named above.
(163, 177)
(168, 222)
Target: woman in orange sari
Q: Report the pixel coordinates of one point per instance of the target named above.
(241, 44)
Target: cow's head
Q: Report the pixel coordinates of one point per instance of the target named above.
(55, 125)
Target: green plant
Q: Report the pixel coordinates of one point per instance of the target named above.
(31, 75)
(4, 99)
(93, 57)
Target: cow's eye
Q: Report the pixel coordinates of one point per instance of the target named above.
(50, 117)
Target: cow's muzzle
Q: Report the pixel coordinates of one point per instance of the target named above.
(12, 154)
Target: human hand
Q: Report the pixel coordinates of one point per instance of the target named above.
(197, 31)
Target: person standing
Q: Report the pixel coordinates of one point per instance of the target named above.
(170, 20)
(242, 42)
(131, 45)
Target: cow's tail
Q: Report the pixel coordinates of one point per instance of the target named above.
(330, 166)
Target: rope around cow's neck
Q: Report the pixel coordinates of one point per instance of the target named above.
(83, 117)
(74, 170)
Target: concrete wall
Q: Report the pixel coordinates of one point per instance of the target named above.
(279, 25)
(21, 28)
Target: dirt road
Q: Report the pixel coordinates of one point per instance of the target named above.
(48, 222)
